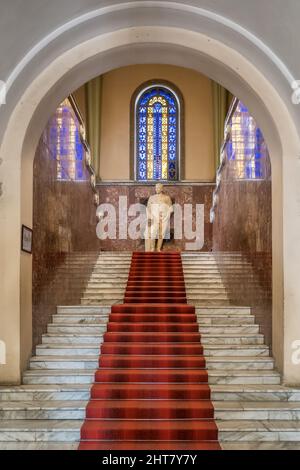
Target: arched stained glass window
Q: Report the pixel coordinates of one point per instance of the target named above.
(65, 144)
(246, 150)
(157, 121)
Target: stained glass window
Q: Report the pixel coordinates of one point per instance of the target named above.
(65, 144)
(157, 121)
(246, 150)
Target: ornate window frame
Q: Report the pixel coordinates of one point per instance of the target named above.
(134, 130)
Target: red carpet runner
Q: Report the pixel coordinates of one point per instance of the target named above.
(151, 390)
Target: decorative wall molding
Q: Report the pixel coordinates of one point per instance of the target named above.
(146, 4)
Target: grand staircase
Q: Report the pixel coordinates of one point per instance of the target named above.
(153, 358)
(252, 410)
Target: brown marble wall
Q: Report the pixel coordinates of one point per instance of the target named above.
(139, 193)
(64, 223)
(243, 223)
(64, 228)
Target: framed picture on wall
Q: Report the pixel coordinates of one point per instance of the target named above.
(26, 239)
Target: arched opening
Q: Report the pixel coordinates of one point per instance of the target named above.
(49, 88)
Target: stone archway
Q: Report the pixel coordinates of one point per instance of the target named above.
(123, 47)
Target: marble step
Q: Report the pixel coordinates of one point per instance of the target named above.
(111, 270)
(93, 261)
(230, 329)
(112, 265)
(66, 410)
(219, 263)
(93, 349)
(212, 254)
(53, 362)
(197, 259)
(83, 269)
(195, 272)
(254, 430)
(137, 286)
(43, 409)
(82, 376)
(87, 263)
(79, 309)
(236, 320)
(103, 291)
(83, 254)
(249, 393)
(205, 289)
(96, 279)
(219, 282)
(105, 284)
(99, 259)
(242, 339)
(105, 309)
(194, 297)
(40, 430)
(232, 310)
(212, 286)
(81, 319)
(67, 350)
(204, 279)
(233, 278)
(38, 445)
(227, 280)
(254, 393)
(226, 276)
(215, 272)
(117, 294)
(78, 362)
(214, 263)
(237, 259)
(101, 328)
(101, 301)
(211, 294)
(236, 350)
(220, 266)
(203, 320)
(208, 302)
(269, 410)
(109, 276)
(76, 328)
(45, 392)
(241, 363)
(58, 376)
(78, 338)
(256, 445)
(243, 377)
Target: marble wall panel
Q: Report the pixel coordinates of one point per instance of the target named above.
(243, 223)
(64, 223)
(138, 193)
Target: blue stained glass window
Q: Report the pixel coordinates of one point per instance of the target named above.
(65, 144)
(246, 150)
(157, 121)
